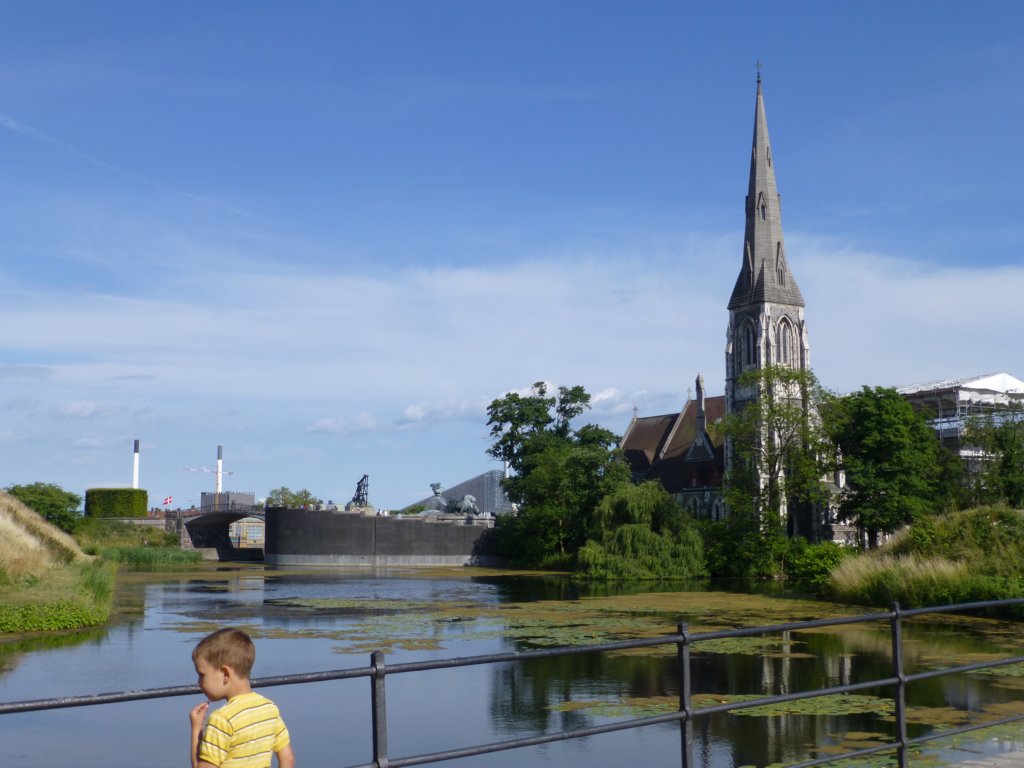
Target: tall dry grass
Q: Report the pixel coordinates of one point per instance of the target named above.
(902, 571)
(29, 545)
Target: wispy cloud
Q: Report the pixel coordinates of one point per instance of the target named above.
(36, 135)
(10, 371)
(364, 422)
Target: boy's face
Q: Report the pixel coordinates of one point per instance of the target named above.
(212, 681)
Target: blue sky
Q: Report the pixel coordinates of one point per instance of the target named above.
(326, 235)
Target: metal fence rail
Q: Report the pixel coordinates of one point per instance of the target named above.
(378, 672)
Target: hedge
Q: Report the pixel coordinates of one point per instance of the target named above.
(116, 502)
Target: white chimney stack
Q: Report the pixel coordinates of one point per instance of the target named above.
(135, 466)
(220, 467)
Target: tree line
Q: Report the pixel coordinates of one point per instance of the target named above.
(578, 509)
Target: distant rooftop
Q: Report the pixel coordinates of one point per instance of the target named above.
(992, 382)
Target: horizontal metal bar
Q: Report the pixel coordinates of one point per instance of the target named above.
(865, 752)
(964, 729)
(964, 668)
(531, 741)
(784, 697)
(65, 702)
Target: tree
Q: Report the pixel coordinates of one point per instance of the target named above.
(58, 506)
(998, 475)
(893, 462)
(285, 497)
(781, 453)
(642, 532)
(559, 474)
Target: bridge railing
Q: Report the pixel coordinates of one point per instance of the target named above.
(379, 671)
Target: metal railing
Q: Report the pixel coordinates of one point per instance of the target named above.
(378, 672)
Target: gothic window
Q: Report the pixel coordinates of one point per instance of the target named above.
(780, 264)
(784, 343)
(749, 344)
(763, 211)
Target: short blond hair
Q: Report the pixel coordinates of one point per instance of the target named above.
(227, 648)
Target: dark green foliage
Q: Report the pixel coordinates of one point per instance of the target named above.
(58, 506)
(289, 499)
(893, 462)
(116, 502)
(999, 477)
(641, 532)
(782, 455)
(990, 539)
(814, 563)
(559, 474)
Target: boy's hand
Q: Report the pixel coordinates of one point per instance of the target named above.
(197, 716)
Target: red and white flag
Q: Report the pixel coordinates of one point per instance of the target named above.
(168, 500)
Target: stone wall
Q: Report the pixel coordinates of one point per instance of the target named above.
(314, 537)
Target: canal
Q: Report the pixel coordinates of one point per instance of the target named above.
(313, 620)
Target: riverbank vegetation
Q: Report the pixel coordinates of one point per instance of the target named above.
(578, 509)
(962, 556)
(46, 580)
(137, 546)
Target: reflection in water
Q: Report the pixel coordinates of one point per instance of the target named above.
(315, 620)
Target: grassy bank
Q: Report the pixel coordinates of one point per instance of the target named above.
(137, 546)
(46, 580)
(965, 556)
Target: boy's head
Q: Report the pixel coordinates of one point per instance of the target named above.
(227, 648)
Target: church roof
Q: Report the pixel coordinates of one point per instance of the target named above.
(657, 447)
(764, 273)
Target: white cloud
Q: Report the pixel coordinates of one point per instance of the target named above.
(364, 422)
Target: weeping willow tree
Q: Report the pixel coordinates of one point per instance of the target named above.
(641, 532)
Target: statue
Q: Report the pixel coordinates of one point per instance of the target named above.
(464, 506)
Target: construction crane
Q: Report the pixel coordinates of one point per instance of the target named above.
(220, 471)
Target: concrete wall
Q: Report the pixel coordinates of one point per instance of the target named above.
(314, 537)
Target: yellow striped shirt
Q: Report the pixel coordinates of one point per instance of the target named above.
(244, 733)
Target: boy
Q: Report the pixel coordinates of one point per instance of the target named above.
(246, 731)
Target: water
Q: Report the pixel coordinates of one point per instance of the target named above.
(306, 621)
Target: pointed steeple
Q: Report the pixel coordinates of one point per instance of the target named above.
(764, 274)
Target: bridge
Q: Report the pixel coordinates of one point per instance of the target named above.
(209, 530)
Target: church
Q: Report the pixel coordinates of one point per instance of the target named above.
(687, 452)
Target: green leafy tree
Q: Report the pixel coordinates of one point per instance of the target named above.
(896, 470)
(999, 474)
(781, 455)
(558, 473)
(58, 506)
(642, 532)
(285, 497)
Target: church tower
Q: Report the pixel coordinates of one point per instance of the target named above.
(766, 310)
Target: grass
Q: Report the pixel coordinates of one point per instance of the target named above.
(95, 535)
(29, 545)
(151, 557)
(965, 556)
(46, 580)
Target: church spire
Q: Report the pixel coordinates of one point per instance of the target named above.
(764, 273)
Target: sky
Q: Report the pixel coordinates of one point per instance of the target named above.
(325, 235)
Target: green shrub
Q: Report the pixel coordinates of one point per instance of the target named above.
(116, 502)
(814, 563)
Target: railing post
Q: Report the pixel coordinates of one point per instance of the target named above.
(686, 724)
(378, 712)
(901, 687)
